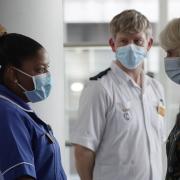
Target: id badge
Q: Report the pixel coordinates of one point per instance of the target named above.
(161, 109)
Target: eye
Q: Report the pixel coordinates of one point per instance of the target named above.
(122, 42)
(139, 42)
(42, 70)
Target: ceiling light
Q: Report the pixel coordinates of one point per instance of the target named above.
(77, 86)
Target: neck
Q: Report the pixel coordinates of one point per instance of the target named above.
(135, 74)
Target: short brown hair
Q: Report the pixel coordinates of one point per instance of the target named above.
(130, 21)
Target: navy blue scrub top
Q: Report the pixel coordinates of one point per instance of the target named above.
(27, 145)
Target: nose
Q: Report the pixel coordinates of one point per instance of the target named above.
(131, 41)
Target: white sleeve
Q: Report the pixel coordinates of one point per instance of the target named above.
(91, 120)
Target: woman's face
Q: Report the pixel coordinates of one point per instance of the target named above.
(33, 66)
(172, 65)
(173, 52)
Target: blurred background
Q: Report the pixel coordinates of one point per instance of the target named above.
(86, 51)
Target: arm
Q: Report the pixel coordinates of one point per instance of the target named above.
(89, 129)
(84, 159)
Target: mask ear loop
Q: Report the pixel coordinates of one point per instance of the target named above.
(22, 72)
(16, 81)
(20, 86)
(26, 75)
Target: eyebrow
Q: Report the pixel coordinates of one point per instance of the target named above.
(44, 64)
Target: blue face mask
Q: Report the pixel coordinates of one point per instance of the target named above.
(172, 68)
(131, 56)
(42, 87)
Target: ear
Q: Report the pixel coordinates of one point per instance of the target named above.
(112, 45)
(10, 76)
(150, 43)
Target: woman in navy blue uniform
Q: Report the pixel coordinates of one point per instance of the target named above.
(28, 149)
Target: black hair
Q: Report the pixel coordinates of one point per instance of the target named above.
(15, 49)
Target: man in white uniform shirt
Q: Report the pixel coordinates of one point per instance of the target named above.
(119, 132)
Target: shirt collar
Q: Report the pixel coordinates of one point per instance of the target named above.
(5, 93)
(123, 77)
(119, 73)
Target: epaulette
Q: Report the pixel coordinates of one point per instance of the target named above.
(101, 74)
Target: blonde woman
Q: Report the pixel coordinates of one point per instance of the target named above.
(170, 42)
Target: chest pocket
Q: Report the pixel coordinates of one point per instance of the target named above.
(123, 116)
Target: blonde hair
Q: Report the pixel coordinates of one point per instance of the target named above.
(170, 35)
(130, 22)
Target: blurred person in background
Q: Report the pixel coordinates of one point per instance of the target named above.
(170, 42)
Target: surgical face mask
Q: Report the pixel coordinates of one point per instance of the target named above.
(131, 56)
(172, 68)
(42, 87)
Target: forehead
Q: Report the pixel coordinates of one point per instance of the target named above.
(41, 58)
(140, 35)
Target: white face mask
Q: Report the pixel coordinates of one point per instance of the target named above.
(42, 86)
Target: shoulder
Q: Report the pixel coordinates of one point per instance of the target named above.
(156, 86)
(99, 85)
(97, 89)
(12, 115)
(102, 81)
(7, 106)
(156, 83)
(100, 75)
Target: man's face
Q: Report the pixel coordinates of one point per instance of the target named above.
(123, 39)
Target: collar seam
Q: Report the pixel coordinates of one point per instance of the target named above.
(11, 101)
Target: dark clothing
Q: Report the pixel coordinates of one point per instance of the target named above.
(173, 152)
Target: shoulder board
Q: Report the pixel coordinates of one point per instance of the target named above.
(101, 74)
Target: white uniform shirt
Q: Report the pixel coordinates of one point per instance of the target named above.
(119, 122)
